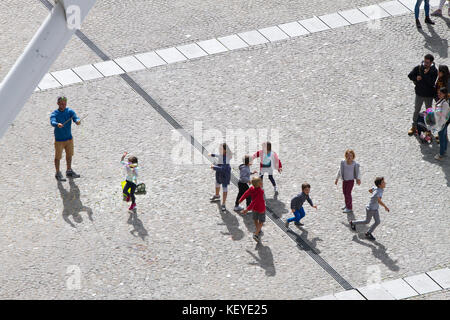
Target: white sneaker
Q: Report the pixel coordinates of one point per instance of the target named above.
(439, 157)
(347, 211)
(214, 198)
(275, 188)
(238, 208)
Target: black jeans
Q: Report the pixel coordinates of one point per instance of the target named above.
(272, 180)
(129, 185)
(242, 188)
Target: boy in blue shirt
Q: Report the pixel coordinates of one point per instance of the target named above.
(61, 119)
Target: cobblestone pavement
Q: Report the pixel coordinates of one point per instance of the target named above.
(324, 93)
(441, 295)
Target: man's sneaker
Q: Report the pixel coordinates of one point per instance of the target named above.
(419, 26)
(286, 224)
(238, 208)
(352, 226)
(437, 13)
(223, 208)
(412, 130)
(214, 198)
(255, 237)
(370, 236)
(429, 21)
(72, 174)
(347, 210)
(133, 205)
(439, 157)
(59, 176)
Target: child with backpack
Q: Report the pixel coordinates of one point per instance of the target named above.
(131, 167)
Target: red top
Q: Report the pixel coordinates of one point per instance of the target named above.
(258, 204)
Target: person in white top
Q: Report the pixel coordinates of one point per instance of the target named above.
(442, 112)
(132, 169)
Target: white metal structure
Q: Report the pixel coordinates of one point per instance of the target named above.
(37, 58)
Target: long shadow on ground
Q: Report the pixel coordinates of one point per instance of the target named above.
(232, 224)
(72, 203)
(264, 259)
(429, 151)
(139, 229)
(378, 251)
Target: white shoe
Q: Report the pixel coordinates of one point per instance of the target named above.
(347, 211)
(238, 208)
(343, 208)
(275, 188)
(439, 157)
(214, 198)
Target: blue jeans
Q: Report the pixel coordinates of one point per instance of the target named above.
(427, 8)
(443, 141)
(299, 214)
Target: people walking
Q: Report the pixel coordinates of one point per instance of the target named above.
(349, 172)
(61, 119)
(424, 77)
(257, 206)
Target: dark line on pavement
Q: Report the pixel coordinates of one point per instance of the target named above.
(302, 245)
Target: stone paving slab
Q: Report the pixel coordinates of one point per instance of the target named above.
(394, 8)
(66, 77)
(233, 42)
(293, 29)
(375, 292)
(192, 51)
(334, 20)
(441, 276)
(171, 55)
(87, 72)
(150, 59)
(313, 25)
(354, 16)
(349, 295)
(374, 12)
(273, 33)
(399, 289)
(108, 68)
(129, 64)
(253, 37)
(422, 283)
(212, 46)
(48, 82)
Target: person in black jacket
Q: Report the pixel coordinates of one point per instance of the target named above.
(424, 77)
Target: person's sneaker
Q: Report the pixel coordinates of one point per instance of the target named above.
(347, 210)
(261, 233)
(299, 224)
(429, 21)
(72, 174)
(59, 176)
(133, 205)
(214, 198)
(238, 208)
(412, 130)
(343, 208)
(419, 26)
(275, 189)
(438, 157)
(437, 13)
(352, 226)
(223, 208)
(286, 224)
(370, 236)
(255, 237)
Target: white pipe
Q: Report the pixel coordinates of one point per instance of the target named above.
(38, 56)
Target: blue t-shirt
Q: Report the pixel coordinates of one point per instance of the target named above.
(64, 133)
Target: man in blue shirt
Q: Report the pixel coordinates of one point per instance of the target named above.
(61, 119)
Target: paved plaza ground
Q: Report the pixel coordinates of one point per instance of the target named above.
(322, 93)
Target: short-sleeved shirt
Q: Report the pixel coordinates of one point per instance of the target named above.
(373, 203)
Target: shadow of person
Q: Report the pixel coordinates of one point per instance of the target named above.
(264, 259)
(447, 20)
(379, 252)
(72, 203)
(276, 206)
(139, 229)
(303, 242)
(435, 43)
(232, 224)
(248, 221)
(428, 153)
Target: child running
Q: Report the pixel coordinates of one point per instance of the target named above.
(223, 173)
(372, 208)
(348, 172)
(244, 180)
(269, 161)
(132, 169)
(297, 205)
(257, 206)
